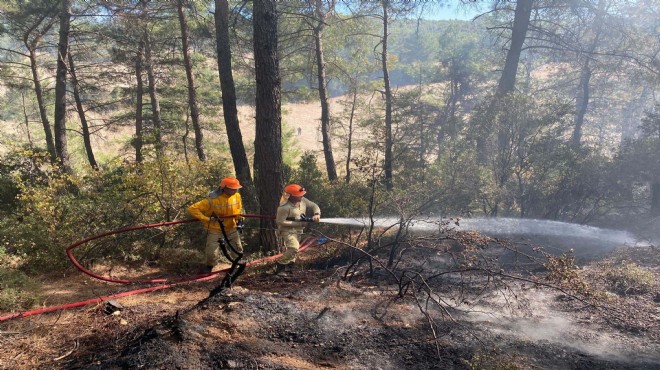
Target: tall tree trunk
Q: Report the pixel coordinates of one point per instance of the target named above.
(388, 101)
(192, 95)
(60, 87)
(521, 18)
(81, 114)
(27, 120)
(155, 105)
(229, 110)
(139, 93)
(36, 79)
(582, 100)
(581, 104)
(350, 137)
(655, 186)
(507, 82)
(326, 129)
(268, 142)
(655, 199)
(447, 118)
(184, 140)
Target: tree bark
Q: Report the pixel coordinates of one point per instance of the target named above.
(520, 25)
(81, 114)
(192, 95)
(268, 142)
(349, 139)
(38, 91)
(326, 129)
(388, 101)
(447, 118)
(139, 93)
(155, 105)
(229, 110)
(655, 199)
(582, 100)
(27, 120)
(60, 88)
(507, 82)
(581, 104)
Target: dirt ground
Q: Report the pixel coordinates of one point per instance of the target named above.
(312, 318)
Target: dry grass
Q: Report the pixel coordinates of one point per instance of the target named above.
(114, 143)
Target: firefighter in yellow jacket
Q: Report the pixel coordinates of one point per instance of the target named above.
(293, 210)
(224, 201)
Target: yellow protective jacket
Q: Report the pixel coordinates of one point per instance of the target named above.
(290, 211)
(222, 205)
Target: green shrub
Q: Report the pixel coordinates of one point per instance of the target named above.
(17, 290)
(630, 279)
(20, 166)
(335, 199)
(61, 209)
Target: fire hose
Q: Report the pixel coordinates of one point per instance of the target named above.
(165, 283)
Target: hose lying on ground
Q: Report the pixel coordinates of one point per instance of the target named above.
(309, 242)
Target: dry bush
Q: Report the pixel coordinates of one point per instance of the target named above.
(492, 360)
(180, 260)
(629, 279)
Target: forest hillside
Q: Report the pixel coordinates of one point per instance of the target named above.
(483, 192)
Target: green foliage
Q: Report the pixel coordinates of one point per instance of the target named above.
(531, 170)
(464, 54)
(17, 290)
(414, 113)
(16, 167)
(582, 186)
(454, 180)
(290, 150)
(308, 171)
(525, 168)
(335, 199)
(245, 88)
(61, 209)
(637, 166)
(651, 123)
(629, 279)
(640, 158)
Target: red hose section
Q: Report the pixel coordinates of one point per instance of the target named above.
(304, 245)
(69, 251)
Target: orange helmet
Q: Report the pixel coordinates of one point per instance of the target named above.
(230, 183)
(295, 190)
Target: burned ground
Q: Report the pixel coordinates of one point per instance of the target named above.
(314, 318)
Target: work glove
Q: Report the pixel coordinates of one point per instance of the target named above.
(316, 218)
(239, 225)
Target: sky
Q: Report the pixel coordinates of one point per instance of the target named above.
(452, 9)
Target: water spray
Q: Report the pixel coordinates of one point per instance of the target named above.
(497, 227)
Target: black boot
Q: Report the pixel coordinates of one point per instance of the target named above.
(279, 268)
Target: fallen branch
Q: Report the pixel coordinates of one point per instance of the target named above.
(75, 347)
